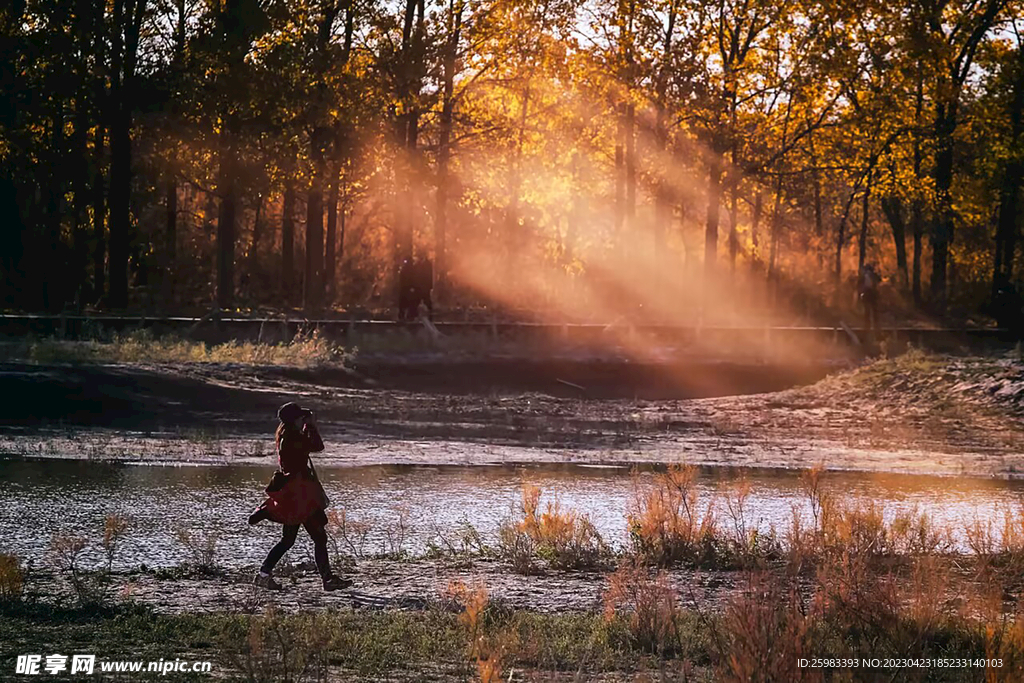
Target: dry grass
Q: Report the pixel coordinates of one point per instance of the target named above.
(201, 547)
(764, 633)
(141, 346)
(648, 604)
(566, 539)
(347, 536)
(12, 577)
(271, 648)
(115, 528)
(488, 645)
(463, 543)
(840, 528)
(669, 523)
(66, 556)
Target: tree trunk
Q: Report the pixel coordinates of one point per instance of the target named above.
(662, 199)
(711, 227)
(733, 220)
(120, 205)
(630, 126)
(332, 230)
(407, 127)
(819, 224)
(862, 244)
(755, 222)
(313, 289)
(253, 257)
(170, 235)
(444, 147)
(513, 236)
(663, 189)
(943, 221)
(226, 189)
(99, 250)
(917, 228)
(52, 271)
(892, 207)
(916, 204)
(288, 242)
(620, 173)
(840, 243)
(773, 241)
(1009, 191)
(128, 15)
(79, 235)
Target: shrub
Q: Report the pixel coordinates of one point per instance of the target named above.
(273, 648)
(843, 529)
(66, 555)
(395, 533)
(115, 527)
(764, 634)
(667, 524)
(749, 545)
(649, 606)
(488, 646)
(1012, 545)
(12, 577)
(565, 539)
(201, 548)
(517, 547)
(462, 542)
(307, 349)
(346, 533)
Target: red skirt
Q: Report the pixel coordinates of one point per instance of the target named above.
(293, 503)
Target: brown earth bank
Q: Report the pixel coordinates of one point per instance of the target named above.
(916, 413)
(392, 584)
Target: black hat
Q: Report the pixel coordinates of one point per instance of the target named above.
(290, 412)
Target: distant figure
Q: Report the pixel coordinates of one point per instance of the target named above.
(296, 497)
(867, 291)
(1008, 309)
(424, 278)
(407, 294)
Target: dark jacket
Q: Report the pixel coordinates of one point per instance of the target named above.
(294, 447)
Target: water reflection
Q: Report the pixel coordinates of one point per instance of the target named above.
(39, 498)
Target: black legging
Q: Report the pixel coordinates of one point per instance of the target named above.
(316, 531)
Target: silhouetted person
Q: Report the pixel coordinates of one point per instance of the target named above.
(1008, 309)
(424, 278)
(407, 294)
(296, 498)
(867, 291)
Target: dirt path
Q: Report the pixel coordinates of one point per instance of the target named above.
(947, 416)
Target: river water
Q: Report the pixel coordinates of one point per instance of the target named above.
(42, 498)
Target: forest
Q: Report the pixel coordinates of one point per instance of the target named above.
(674, 160)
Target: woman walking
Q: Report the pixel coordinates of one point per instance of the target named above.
(296, 497)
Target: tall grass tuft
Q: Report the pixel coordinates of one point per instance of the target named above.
(201, 548)
(115, 528)
(668, 523)
(566, 539)
(488, 646)
(765, 632)
(648, 603)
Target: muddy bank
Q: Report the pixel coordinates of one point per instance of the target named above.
(938, 415)
(403, 584)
